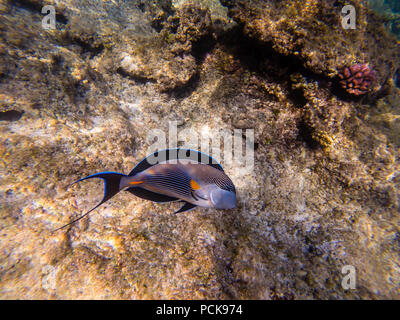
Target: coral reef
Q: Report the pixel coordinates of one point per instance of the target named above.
(311, 33)
(357, 79)
(188, 25)
(167, 58)
(85, 97)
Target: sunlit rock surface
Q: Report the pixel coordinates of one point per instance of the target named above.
(83, 98)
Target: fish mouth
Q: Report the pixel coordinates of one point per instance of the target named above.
(223, 199)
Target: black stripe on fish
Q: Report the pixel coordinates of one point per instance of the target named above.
(163, 182)
(193, 196)
(175, 181)
(149, 195)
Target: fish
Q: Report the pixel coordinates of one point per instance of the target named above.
(185, 175)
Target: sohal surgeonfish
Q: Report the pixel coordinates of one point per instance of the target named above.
(185, 175)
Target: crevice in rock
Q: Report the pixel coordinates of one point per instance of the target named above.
(61, 18)
(297, 97)
(57, 64)
(157, 24)
(142, 7)
(87, 47)
(11, 115)
(260, 57)
(28, 5)
(136, 78)
(306, 135)
(186, 89)
(201, 47)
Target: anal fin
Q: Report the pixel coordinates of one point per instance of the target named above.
(186, 207)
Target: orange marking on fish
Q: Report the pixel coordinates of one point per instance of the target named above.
(194, 185)
(135, 182)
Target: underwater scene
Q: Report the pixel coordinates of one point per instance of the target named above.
(239, 149)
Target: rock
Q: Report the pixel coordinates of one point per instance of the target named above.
(311, 32)
(188, 25)
(149, 63)
(323, 192)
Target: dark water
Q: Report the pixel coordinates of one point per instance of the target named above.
(390, 9)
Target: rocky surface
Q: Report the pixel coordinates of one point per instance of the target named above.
(82, 98)
(311, 32)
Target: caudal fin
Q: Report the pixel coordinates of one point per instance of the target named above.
(111, 188)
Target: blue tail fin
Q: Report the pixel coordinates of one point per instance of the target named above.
(111, 188)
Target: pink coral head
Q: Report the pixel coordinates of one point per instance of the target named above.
(357, 79)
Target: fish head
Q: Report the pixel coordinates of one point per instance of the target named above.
(223, 199)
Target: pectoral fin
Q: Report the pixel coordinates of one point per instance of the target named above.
(186, 207)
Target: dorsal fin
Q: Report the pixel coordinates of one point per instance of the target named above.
(175, 154)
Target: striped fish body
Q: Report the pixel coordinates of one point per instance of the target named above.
(168, 175)
(194, 183)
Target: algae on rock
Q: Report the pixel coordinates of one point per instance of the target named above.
(311, 32)
(324, 192)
